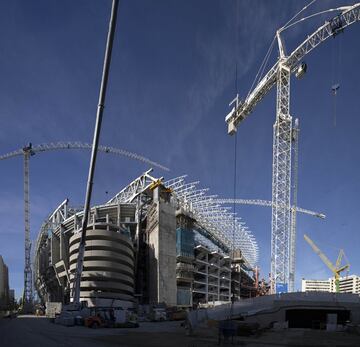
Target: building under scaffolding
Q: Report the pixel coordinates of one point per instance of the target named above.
(155, 242)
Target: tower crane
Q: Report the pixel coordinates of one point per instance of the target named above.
(335, 269)
(279, 75)
(31, 150)
(268, 203)
(293, 210)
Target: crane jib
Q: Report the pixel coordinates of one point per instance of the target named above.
(330, 28)
(79, 145)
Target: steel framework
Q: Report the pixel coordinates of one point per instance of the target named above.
(281, 183)
(294, 208)
(28, 285)
(134, 189)
(213, 220)
(282, 252)
(53, 146)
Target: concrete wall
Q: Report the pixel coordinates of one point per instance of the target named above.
(161, 233)
(266, 310)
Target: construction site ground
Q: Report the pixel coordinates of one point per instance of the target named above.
(27, 331)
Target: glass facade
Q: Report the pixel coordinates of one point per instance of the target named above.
(185, 243)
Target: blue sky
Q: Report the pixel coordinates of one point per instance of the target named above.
(172, 77)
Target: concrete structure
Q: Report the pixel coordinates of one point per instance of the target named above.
(153, 243)
(348, 284)
(212, 276)
(288, 310)
(315, 285)
(108, 265)
(4, 284)
(161, 240)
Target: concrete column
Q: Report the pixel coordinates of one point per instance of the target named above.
(161, 231)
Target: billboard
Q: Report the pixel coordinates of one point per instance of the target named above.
(281, 288)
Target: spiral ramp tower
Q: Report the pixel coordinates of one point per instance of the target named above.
(108, 274)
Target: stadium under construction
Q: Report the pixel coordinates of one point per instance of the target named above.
(155, 242)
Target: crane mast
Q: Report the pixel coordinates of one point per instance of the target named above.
(28, 285)
(281, 183)
(282, 239)
(292, 257)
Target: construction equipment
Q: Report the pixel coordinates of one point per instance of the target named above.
(301, 70)
(54, 146)
(100, 320)
(335, 269)
(110, 317)
(99, 114)
(27, 301)
(31, 150)
(268, 203)
(156, 184)
(279, 75)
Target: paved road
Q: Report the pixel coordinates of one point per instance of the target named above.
(29, 331)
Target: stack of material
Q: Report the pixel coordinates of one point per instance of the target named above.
(71, 315)
(53, 309)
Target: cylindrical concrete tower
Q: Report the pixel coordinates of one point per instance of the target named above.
(108, 274)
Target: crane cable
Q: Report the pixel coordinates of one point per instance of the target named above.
(235, 137)
(266, 59)
(336, 75)
(302, 10)
(263, 65)
(235, 154)
(235, 166)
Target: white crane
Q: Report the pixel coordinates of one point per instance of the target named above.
(53, 146)
(29, 151)
(279, 75)
(268, 203)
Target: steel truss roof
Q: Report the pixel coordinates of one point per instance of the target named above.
(214, 220)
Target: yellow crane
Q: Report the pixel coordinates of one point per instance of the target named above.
(335, 269)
